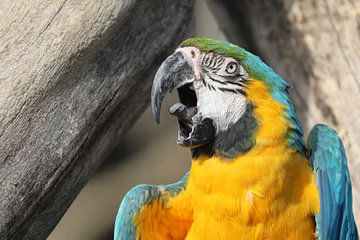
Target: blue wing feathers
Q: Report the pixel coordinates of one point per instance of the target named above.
(328, 160)
(134, 200)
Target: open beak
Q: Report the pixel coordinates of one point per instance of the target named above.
(173, 73)
(177, 73)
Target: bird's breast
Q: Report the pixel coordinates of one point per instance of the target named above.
(255, 197)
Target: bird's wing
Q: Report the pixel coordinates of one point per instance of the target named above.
(328, 160)
(135, 199)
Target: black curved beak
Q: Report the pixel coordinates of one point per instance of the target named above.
(174, 72)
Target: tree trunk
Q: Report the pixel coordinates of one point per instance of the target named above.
(315, 46)
(74, 77)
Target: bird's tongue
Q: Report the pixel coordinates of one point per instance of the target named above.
(182, 111)
(185, 118)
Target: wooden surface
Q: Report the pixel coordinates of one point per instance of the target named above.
(74, 77)
(315, 46)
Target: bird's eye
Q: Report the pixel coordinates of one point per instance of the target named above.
(231, 68)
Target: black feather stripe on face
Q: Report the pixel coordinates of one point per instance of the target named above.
(240, 84)
(218, 81)
(212, 61)
(236, 90)
(211, 64)
(240, 91)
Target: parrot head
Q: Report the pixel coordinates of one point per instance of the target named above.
(229, 99)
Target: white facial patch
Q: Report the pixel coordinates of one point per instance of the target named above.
(224, 108)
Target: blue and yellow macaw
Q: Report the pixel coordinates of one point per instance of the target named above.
(252, 176)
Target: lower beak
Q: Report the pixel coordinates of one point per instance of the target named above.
(174, 72)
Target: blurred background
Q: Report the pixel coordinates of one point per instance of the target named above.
(146, 154)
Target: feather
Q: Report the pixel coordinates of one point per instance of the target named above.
(135, 199)
(328, 160)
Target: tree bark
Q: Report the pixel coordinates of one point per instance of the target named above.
(315, 46)
(74, 77)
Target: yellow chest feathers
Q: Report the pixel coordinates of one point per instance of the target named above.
(259, 195)
(264, 194)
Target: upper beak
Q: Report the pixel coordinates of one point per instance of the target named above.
(174, 72)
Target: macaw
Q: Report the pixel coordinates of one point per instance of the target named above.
(252, 176)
